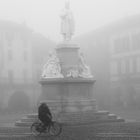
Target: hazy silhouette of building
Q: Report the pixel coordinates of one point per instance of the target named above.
(16, 53)
(20, 60)
(125, 60)
(41, 49)
(113, 52)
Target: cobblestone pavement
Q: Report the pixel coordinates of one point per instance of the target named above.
(112, 131)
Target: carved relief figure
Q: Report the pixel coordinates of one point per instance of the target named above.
(73, 73)
(52, 68)
(84, 70)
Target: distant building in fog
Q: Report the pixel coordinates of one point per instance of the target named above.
(20, 48)
(41, 49)
(16, 53)
(113, 51)
(125, 61)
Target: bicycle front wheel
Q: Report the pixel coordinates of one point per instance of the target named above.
(36, 128)
(55, 129)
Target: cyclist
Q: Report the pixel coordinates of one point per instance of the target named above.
(44, 114)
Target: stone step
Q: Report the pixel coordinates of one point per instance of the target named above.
(70, 122)
(88, 116)
(73, 122)
(35, 115)
(112, 116)
(85, 113)
(23, 124)
(26, 119)
(75, 119)
(79, 117)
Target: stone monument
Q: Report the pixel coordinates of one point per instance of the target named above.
(67, 82)
(66, 79)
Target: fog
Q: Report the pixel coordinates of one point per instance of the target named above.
(43, 16)
(107, 31)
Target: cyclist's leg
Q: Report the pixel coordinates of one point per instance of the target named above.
(46, 124)
(49, 124)
(43, 124)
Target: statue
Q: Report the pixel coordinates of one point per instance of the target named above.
(84, 69)
(52, 68)
(67, 23)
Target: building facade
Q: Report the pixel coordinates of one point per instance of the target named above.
(113, 51)
(18, 68)
(16, 53)
(125, 62)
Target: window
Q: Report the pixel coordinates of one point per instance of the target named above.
(24, 38)
(9, 37)
(136, 41)
(123, 67)
(25, 75)
(10, 76)
(25, 56)
(121, 44)
(138, 64)
(131, 66)
(113, 68)
(10, 55)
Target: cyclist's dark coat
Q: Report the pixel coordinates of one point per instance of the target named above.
(44, 114)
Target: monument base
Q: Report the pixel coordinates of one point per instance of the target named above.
(75, 118)
(71, 103)
(68, 95)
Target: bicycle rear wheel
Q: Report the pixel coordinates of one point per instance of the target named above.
(36, 128)
(55, 129)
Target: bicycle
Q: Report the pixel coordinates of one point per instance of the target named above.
(53, 129)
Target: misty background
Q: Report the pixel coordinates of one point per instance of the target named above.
(108, 32)
(43, 16)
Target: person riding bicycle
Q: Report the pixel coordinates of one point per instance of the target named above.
(44, 114)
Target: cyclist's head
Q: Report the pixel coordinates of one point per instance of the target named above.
(42, 104)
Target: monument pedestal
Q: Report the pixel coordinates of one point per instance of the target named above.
(73, 90)
(68, 94)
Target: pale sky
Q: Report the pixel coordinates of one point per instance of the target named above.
(44, 15)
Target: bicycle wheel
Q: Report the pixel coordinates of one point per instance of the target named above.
(36, 128)
(55, 129)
